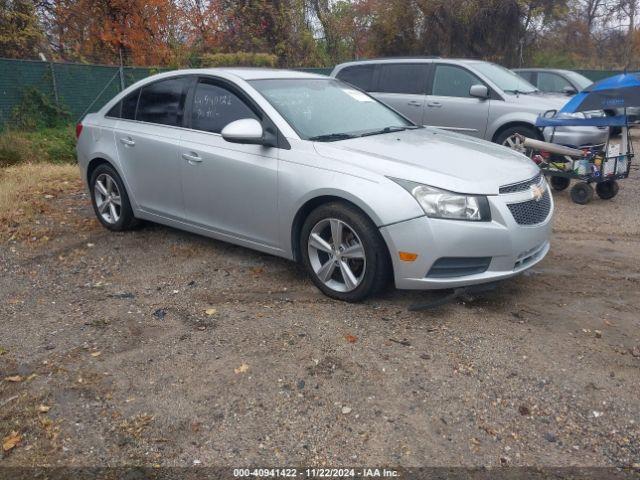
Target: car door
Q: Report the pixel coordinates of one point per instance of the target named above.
(229, 188)
(402, 86)
(450, 105)
(147, 142)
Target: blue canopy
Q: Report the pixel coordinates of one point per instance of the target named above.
(619, 91)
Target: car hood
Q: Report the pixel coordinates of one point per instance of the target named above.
(540, 102)
(435, 157)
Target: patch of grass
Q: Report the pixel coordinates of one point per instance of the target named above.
(54, 145)
(24, 190)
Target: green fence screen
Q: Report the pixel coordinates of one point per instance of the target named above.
(82, 88)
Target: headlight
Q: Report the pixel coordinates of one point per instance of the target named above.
(438, 203)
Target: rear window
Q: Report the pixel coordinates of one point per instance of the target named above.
(162, 102)
(403, 78)
(360, 76)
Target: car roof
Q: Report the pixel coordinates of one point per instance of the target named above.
(248, 73)
(467, 61)
(533, 69)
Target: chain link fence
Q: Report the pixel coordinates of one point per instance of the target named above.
(82, 88)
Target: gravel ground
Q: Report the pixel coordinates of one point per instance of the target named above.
(159, 347)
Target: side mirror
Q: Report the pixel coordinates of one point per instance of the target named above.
(479, 91)
(246, 130)
(569, 91)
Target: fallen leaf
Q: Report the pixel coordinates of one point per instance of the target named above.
(44, 408)
(210, 311)
(350, 338)
(242, 368)
(11, 441)
(14, 378)
(96, 354)
(2, 351)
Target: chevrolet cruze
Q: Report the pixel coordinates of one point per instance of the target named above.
(314, 170)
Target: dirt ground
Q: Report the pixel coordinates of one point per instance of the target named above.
(159, 347)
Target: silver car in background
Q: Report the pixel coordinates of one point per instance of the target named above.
(474, 97)
(308, 168)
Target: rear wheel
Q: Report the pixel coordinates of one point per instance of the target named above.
(110, 200)
(559, 183)
(608, 189)
(582, 193)
(344, 252)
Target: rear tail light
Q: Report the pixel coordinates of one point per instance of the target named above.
(78, 129)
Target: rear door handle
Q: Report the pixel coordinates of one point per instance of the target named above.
(127, 142)
(434, 104)
(192, 157)
(414, 103)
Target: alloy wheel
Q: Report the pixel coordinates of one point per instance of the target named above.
(107, 198)
(337, 255)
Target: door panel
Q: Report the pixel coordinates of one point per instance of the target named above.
(228, 187)
(411, 106)
(450, 106)
(149, 157)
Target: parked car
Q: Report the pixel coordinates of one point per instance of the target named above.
(478, 98)
(567, 82)
(308, 168)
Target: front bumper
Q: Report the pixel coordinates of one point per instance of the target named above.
(576, 136)
(513, 248)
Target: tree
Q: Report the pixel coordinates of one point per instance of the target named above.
(20, 33)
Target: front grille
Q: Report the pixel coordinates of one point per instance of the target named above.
(532, 212)
(521, 186)
(447, 267)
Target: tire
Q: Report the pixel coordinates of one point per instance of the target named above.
(582, 193)
(368, 260)
(559, 183)
(105, 186)
(608, 189)
(506, 137)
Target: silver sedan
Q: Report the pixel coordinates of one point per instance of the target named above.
(311, 169)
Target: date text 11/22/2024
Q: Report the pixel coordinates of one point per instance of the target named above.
(315, 472)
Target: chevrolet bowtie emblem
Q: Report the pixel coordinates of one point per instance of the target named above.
(537, 192)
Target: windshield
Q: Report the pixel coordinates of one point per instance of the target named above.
(327, 109)
(580, 80)
(505, 79)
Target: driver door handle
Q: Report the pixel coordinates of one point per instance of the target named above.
(414, 103)
(127, 142)
(192, 157)
(434, 104)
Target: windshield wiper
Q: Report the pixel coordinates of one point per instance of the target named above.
(520, 92)
(332, 137)
(389, 130)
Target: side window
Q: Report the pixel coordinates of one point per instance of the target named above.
(114, 112)
(552, 82)
(528, 76)
(360, 76)
(214, 107)
(452, 81)
(129, 105)
(402, 78)
(163, 102)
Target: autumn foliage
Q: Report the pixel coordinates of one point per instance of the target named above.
(564, 33)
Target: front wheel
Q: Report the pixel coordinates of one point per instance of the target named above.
(510, 137)
(581, 193)
(344, 252)
(559, 183)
